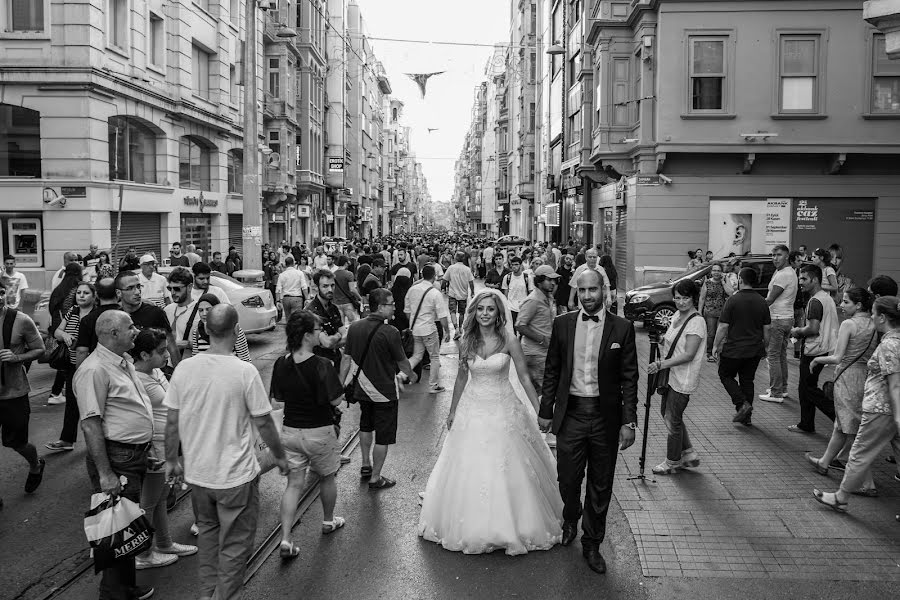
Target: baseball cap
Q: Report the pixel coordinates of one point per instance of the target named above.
(147, 258)
(546, 271)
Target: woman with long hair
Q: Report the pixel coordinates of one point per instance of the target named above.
(612, 274)
(200, 337)
(856, 343)
(402, 283)
(105, 269)
(822, 259)
(494, 483)
(67, 333)
(62, 299)
(880, 406)
(150, 354)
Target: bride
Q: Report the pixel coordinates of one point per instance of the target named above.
(494, 483)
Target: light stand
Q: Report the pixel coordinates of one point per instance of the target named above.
(651, 387)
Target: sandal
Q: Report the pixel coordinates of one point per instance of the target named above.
(382, 484)
(333, 525)
(835, 504)
(289, 550)
(365, 472)
(816, 465)
(866, 492)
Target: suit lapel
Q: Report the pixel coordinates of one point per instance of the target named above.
(604, 340)
(570, 331)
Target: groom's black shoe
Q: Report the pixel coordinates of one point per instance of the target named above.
(570, 532)
(595, 560)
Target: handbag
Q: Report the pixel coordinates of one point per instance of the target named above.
(116, 528)
(350, 388)
(828, 386)
(406, 336)
(661, 383)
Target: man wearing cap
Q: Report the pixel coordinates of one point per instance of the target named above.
(153, 285)
(535, 322)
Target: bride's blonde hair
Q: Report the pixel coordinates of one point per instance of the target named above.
(471, 341)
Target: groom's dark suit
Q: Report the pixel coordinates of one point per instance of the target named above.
(587, 427)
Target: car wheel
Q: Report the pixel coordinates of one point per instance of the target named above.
(663, 316)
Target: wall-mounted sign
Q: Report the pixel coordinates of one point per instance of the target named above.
(648, 180)
(74, 192)
(303, 211)
(335, 164)
(200, 202)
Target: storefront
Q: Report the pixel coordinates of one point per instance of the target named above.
(141, 231)
(196, 229)
(235, 232)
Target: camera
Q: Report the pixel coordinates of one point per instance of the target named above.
(655, 331)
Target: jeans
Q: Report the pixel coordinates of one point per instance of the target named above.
(672, 409)
(745, 370)
(71, 416)
(429, 343)
(290, 304)
(776, 355)
(712, 323)
(118, 582)
(57, 388)
(227, 522)
(810, 396)
(348, 312)
(153, 501)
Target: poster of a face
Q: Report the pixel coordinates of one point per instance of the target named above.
(730, 232)
(742, 226)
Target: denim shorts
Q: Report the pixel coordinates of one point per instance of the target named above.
(315, 448)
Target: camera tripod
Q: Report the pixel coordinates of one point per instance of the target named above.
(651, 387)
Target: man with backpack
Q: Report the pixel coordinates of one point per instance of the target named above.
(517, 286)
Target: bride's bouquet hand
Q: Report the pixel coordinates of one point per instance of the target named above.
(450, 418)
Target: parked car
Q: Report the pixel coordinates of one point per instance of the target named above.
(653, 303)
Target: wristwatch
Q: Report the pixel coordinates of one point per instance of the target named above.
(632, 426)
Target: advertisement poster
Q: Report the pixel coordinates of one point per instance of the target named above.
(778, 223)
(748, 226)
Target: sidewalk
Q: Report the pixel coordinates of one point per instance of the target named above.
(748, 510)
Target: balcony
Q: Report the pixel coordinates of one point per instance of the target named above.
(274, 107)
(309, 181)
(525, 189)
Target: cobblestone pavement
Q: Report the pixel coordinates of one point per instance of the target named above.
(748, 510)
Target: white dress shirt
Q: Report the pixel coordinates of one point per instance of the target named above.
(585, 381)
(291, 282)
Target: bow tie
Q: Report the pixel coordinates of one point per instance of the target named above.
(587, 317)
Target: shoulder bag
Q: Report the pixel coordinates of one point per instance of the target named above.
(350, 388)
(406, 336)
(346, 292)
(661, 383)
(828, 386)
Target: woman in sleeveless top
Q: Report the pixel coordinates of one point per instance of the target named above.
(712, 299)
(856, 343)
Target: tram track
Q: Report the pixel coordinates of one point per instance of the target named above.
(260, 554)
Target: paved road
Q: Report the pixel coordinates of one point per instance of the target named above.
(743, 519)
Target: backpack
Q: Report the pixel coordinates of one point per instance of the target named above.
(508, 278)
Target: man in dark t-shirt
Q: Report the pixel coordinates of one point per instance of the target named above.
(741, 342)
(87, 328)
(144, 316)
(332, 324)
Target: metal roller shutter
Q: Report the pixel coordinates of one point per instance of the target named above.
(235, 229)
(139, 230)
(621, 258)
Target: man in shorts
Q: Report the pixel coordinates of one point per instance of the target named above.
(461, 288)
(379, 354)
(20, 343)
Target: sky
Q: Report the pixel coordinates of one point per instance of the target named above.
(449, 97)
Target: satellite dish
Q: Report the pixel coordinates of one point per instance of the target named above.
(274, 160)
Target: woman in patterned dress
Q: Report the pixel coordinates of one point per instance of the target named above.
(713, 295)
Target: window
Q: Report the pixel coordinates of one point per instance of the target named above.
(235, 172)
(531, 117)
(599, 97)
(533, 29)
(274, 76)
(235, 85)
(574, 68)
(20, 130)
(530, 166)
(532, 68)
(157, 40)
(132, 151)
(275, 141)
(798, 86)
(200, 70)
(885, 80)
(707, 64)
(620, 92)
(234, 12)
(193, 165)
(118, 23)
(26, 15)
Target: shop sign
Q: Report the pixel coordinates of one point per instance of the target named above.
(335, 164)
(329, 218)
(303, 211)
(648, 180)
(200, 202)
(553, 214)
(74, 191)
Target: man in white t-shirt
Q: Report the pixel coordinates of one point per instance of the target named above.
(461, 288)
(517, 286)
(202, 285)
(14, 281)
(591, 262)
(782, 293)
(215, 400)
(426, 306)
(153, 285)
(182, 312)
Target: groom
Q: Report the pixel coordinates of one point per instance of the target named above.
(589, 401)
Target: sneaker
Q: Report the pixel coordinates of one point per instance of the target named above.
(56, 399)
(59, 446)
(437, 388)
(195, 531)
(689, 458)
(769, 397)
(178, 549)
(156, 559)
(666, 468)
(743, 413)
(33, 481)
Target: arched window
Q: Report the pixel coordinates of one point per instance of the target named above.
(132, 150)
(20, 141)
(235, 172)
(193, 164)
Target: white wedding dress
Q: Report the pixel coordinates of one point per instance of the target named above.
(494, 484)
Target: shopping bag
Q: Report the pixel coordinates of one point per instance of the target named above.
(116, 528)
(263, 455)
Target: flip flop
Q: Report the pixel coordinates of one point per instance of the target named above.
(382, 484)
(290, 551)
(836, 505)
(334, 525)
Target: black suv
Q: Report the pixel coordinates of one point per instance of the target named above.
(654, 303)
